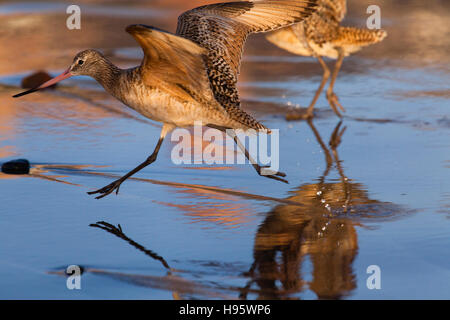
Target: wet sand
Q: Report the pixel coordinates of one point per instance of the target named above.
(378, 194)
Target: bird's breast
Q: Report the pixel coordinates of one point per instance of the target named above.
(159, 105)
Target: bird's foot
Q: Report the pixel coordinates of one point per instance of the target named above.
(266, 172)
(334, 103)
(108, 189)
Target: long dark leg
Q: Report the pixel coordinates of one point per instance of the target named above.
(255, 165)
(116, 184)
(301, 36)
(331, 96)
(325, 77)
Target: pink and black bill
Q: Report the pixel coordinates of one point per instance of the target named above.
(66, 74)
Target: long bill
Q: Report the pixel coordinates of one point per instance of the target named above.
(66, 74)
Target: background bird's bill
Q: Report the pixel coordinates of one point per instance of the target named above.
(66, 74)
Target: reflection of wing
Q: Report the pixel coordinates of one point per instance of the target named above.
(165, 51)
(223, 28)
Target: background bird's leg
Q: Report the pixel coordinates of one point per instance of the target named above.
(258, 168)
(116, 184)
(331, 96)
(300, 32)
(325, 77)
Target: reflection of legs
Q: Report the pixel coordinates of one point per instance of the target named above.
(117, 231)
(336, 136)
(251, 274)
(333, 157)
(116, 184)
(325, 77)
(331, 96)
(328, 157)
(334, 143)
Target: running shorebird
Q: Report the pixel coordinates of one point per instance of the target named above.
(191, 75)
(321, 35)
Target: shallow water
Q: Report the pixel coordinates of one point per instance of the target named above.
(379, 197)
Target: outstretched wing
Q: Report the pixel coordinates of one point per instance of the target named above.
(222, 30)
(164, 51)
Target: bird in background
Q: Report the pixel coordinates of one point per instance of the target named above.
(190, 76)
(321, 35)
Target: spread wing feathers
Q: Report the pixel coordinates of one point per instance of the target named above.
(224, 27)
(222, 30)
(165, 51)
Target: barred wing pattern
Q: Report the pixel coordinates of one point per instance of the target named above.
(165, 51)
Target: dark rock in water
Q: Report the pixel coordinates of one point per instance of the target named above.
(19, 166)
(36, 79)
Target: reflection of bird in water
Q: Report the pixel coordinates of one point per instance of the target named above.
(321, 35)
(318, 229)
(190, 76)
(317, 220)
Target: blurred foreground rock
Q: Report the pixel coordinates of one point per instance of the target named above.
(36, 79)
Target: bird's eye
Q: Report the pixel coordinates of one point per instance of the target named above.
(80, 62)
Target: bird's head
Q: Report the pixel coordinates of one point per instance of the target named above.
(85, 63)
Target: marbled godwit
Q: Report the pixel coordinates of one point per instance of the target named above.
(190, 76)
(321, 35)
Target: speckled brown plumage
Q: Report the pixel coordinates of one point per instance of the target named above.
(321, 35)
